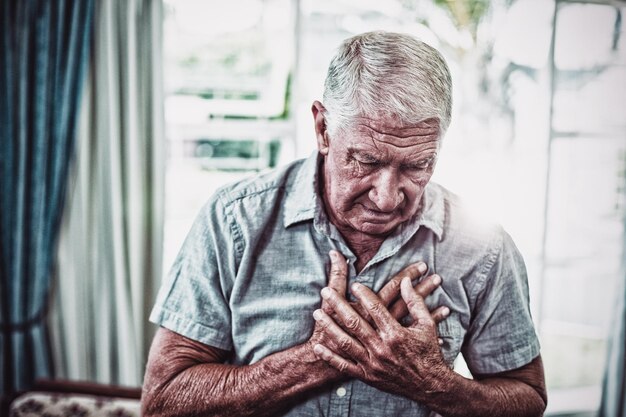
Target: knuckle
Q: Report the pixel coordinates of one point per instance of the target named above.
(322, 324)
(375, 307)
(342, 366)
(411, 304)
(353, 323)
(336, 270)
(394, 284)
(345, 345)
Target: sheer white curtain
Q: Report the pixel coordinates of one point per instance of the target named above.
(109, 259)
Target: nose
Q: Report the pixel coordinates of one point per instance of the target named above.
(386, 192)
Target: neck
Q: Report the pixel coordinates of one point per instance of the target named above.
(362, 245)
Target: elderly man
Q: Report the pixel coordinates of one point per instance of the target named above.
(252, 322)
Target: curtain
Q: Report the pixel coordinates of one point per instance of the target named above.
(109, 258)
(43, 55)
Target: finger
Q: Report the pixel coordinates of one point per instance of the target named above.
(428, 285)
(337, 276)
(348, 318)
(398, 310)
(415, 304)
(338, 337)
(391, 290)
(361, 312)
(374, 306)
(440, 314)
(342, 365)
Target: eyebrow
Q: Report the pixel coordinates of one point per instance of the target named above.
(362, 153)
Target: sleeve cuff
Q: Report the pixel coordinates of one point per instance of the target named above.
(191, 329)
(502, 361)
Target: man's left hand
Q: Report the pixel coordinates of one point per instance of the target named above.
(402, 360)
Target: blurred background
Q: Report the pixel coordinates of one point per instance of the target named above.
(537, 140)
(195, 94)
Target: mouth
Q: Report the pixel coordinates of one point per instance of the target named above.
(377, 216)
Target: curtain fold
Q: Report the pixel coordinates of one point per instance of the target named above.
(109, 258)
(44, 49)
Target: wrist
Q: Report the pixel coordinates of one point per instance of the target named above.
(438, 384)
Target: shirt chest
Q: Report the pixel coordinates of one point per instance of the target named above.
(278, 288)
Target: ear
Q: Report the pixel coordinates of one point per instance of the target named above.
(320, 127)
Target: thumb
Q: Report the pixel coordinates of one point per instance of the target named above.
(415, 303)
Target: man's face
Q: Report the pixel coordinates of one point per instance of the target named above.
(375, 173)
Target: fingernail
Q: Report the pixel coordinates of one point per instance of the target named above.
(332, 254)
(317, 314)
(438, 340)
(436, 279)
(355, 286)
(421, 267)
(318, 349)
(445, 311)
(325, 292)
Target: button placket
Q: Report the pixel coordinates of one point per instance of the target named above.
(340, 399)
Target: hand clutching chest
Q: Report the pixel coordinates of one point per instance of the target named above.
(365, 339)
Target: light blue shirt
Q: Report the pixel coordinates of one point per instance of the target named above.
(249, 275)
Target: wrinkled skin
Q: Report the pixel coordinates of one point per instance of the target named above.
(374, 175)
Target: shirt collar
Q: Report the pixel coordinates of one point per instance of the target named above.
(303, 200)
(302, 197)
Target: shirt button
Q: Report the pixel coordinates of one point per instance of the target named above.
(341, 392)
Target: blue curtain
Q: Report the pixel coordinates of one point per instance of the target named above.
(44, 47)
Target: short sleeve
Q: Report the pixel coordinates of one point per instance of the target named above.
(193, 299)
(501, 336)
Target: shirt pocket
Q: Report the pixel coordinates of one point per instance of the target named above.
(451, 332)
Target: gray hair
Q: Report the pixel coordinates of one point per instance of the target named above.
(379, 74)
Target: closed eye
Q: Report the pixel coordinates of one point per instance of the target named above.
(371, 162)
(365, 159)
(420, 165)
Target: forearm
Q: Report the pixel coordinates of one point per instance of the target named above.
(454, 395)
(263, 388)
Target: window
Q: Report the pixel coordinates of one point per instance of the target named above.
(228, 75)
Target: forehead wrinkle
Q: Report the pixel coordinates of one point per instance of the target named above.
(411, 138)
(375, 149)
(411, 131)
(426, 127)
(422, 140)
